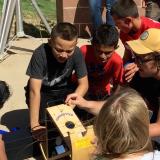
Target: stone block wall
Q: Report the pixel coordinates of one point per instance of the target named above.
(77, 12)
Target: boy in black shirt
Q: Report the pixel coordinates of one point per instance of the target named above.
(50, 70)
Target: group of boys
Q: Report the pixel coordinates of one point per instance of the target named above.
(140, 37)
(52, 65)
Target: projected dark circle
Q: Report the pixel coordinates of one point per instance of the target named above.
(69, 124)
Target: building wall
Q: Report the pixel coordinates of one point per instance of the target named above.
(77, 12)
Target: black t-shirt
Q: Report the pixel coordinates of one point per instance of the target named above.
(55, 75)
(149, 88)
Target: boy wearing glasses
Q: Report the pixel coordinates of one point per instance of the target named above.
(147, 57)
(131, 25)
(50, 70)
(104, 65)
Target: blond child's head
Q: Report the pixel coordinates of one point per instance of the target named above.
(122, 126)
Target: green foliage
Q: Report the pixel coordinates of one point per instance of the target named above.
(31, 22)
(1, 4)
(48, 7)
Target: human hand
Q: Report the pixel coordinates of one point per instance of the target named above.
(69, 102)
(39, 132)
(129, 71)
(75, 100)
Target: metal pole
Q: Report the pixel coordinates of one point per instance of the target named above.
(41, 16)
(3, 14)
(19, 20)
(6, 23)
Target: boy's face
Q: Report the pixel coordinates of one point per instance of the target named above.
(62, 49)
(103, 53)
(147, 65)
(124, 24)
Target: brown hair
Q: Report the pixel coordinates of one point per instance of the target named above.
(124, 8)
(64, 30)
(122, 126)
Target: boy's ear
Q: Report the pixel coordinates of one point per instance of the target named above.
(128, 20)
(49, 41)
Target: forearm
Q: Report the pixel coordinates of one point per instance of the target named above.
(34, 108)
(82, 86)
(94, 107)
(81, 90)
(3, 155)
(154, 129)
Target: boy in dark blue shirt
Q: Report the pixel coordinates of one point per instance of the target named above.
(4, 95)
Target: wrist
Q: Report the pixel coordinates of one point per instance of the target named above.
(34, 124)
(35, 127)
(88, 104)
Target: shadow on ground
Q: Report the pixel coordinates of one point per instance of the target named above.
(16, 118)
(35, 31)
(18, 142)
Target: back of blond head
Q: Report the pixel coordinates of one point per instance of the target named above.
(122, 126)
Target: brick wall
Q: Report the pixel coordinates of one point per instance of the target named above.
(77, 12)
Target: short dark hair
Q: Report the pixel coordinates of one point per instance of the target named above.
(4, 93)
(64, 30)
(125, 8)
(106, 35)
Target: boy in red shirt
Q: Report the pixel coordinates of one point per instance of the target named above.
(131, 26)
(104, 65)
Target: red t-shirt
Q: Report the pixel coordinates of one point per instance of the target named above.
(100, 75)
(146, 23)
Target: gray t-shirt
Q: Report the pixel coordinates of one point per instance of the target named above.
(55, 75)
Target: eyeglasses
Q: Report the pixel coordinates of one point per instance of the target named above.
(142, 60)
(62, 50)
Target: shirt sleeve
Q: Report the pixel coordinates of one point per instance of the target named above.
(4, 128)
(79, 64)
(118, 72)
(36, 65)
(83, 49)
